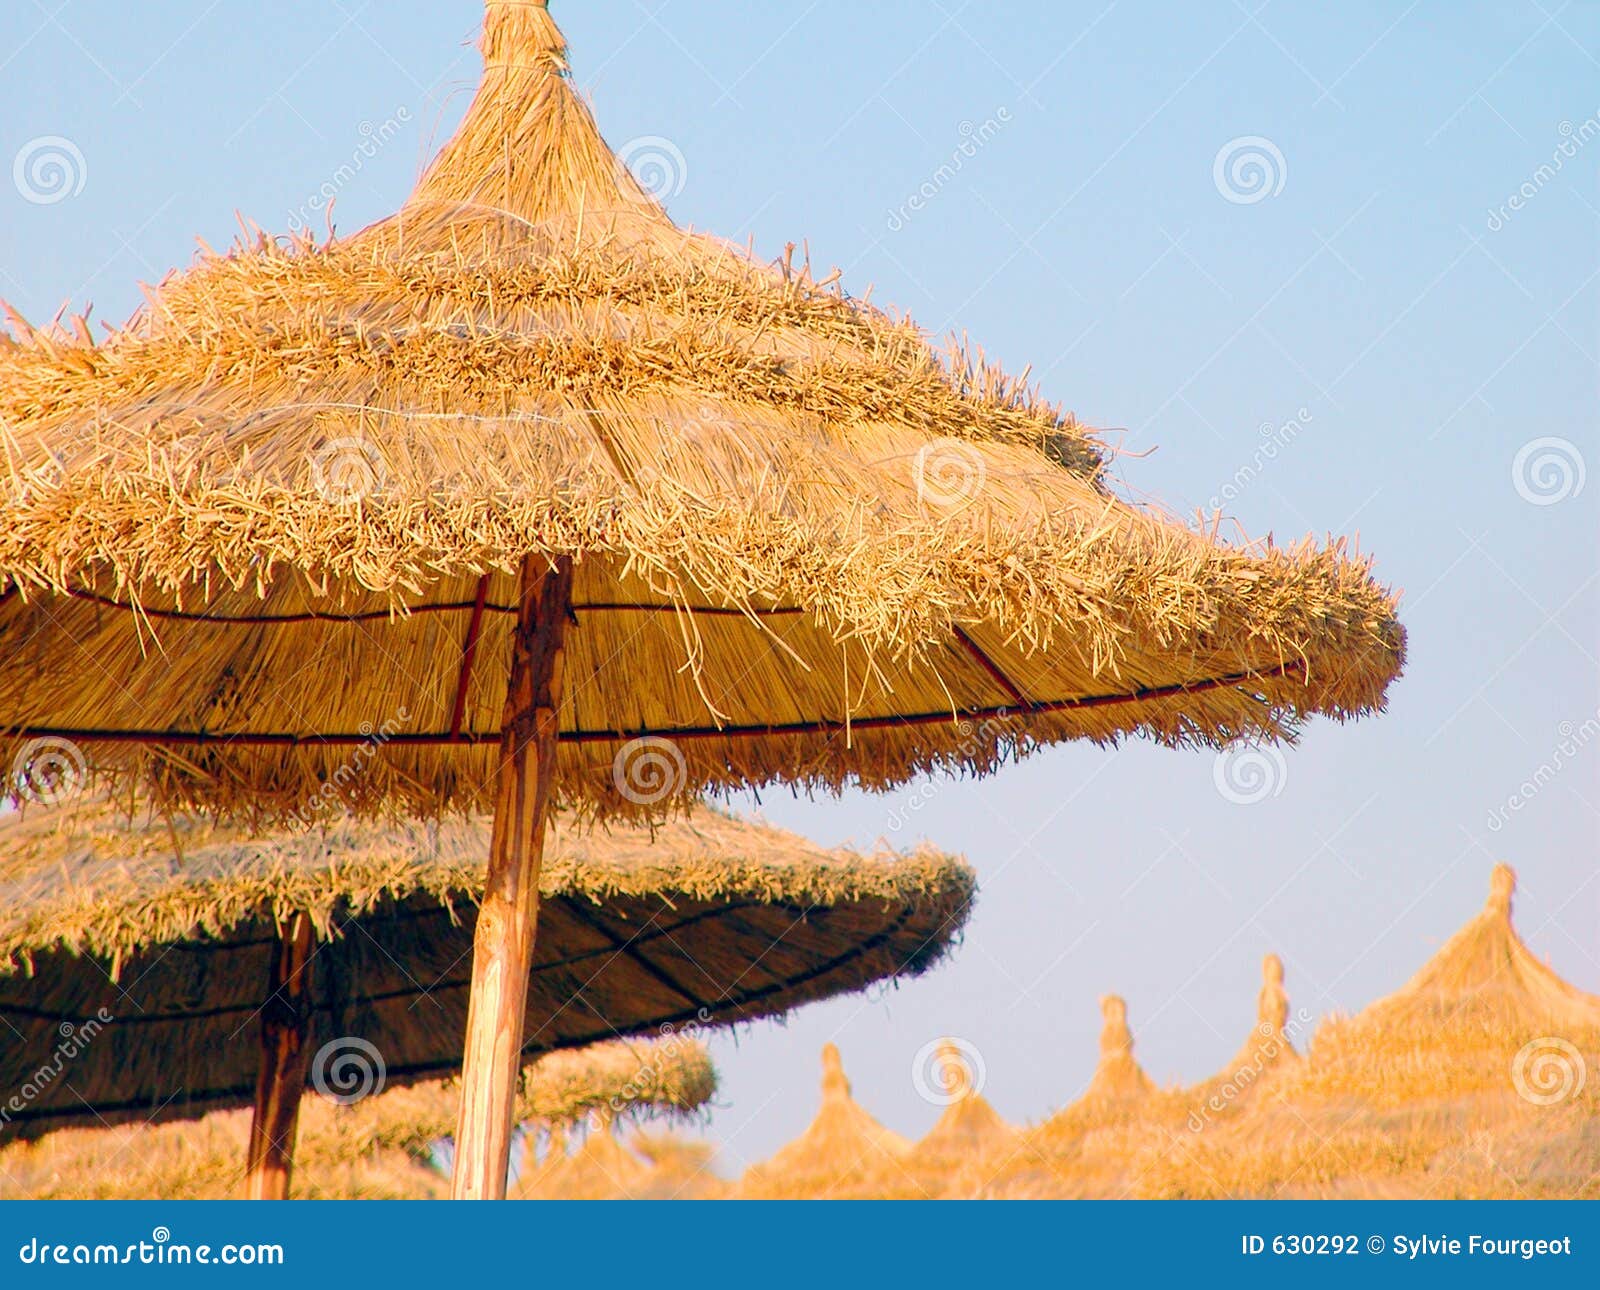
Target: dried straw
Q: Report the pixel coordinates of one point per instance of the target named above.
(809, 548)
(170, 928)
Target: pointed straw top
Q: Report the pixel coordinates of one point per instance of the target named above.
(968, 1126)
(835, 1083)
(843, 1149)
(1267, 1053)
(1479, 1016)
(955, 1078)
(1272, 1004)
(1118, 1074)
(808, 546)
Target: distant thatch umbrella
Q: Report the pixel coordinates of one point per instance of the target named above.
(373, 1148)
(1119, 1090)
(842, 1149)
(368, 1151)
(969, 1125)
(1084, 1150)
(134, 960)
(1483, 1015)
(1118, 1077)
(1266, 1054)
(1474, 1079)
(601, 1168)
(524, 488)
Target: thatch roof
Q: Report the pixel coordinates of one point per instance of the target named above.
(1476, 1079)
(1267, 1054)
(169, 926)
(843, 1151)
(1118, 1077)
(837, 556)
(600, 1169)
(1084, 1149)
(1482, 1015)
(968, 1125)
(367, 1151)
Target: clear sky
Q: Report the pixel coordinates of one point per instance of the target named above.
(1352, 330)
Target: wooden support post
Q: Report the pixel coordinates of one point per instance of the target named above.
(503, 943)
(285, 1054)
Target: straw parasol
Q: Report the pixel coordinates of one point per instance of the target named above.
(379, 1147)
(203, 1159)
(601, 1168)
(1474, 1079)
(840, 1153)
(525, 494)
(132, 979)
(968, 1125)
(1121, 1103)
(1267, 1054)
(1484, 1015)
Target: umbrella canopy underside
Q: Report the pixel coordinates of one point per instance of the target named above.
(714, 921)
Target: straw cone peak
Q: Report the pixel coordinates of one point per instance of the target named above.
(1118, 1074)
(1471, 1019)
(843, 1147)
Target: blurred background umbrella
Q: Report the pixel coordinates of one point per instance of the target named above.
(843, 1152)
(382, 1147)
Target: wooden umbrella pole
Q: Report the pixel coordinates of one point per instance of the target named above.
(285, 1053)
(503, 943)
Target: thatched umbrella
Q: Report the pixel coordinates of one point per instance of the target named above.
(524, 493)
(601, 1168)
(968, 1125)
(1118, 1095)
(842, 1149)
(1484, 1015)
(1267, 1054)
(373, 1148)
(1474, 1079)
(135, 961)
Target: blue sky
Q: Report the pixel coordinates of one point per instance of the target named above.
(1360, 286)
